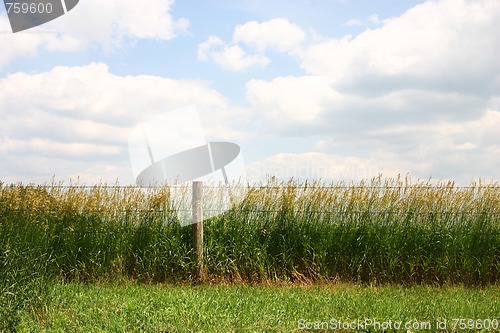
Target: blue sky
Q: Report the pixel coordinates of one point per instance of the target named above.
(331, 89)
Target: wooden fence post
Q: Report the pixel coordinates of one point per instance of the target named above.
(198, 227)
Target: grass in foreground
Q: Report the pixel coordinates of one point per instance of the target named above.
(243, 308)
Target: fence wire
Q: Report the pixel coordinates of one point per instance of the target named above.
(493, 190)
(287, 186)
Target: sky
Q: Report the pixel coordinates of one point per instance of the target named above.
(336, 90)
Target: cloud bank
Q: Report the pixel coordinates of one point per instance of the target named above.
(106, 24)
(418, 94)
(74, 122)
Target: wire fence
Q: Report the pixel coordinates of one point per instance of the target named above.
(276, 211)
(166, 206)
(285, 186)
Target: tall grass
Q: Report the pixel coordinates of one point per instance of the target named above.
(24, 260)
(377, 231)
(388, 230)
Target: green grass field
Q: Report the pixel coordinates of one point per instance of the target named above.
(379, 232)
(77, 307)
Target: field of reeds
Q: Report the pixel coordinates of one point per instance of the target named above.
(377, 231)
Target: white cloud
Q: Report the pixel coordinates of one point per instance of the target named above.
(418, 94)
(109, 24)
(436, 62)
(374, 19)
(312, 165)
(15, 46)
(461, 152)
(426, 133)
(232, 58)
(47, 147)
(114, 21)
(354, 23)
(299, 105)
(291, 100)
(448, 44)
(205, 48)
(278, 34)
(73, 121)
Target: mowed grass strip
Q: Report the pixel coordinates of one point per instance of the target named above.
(243, 308)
